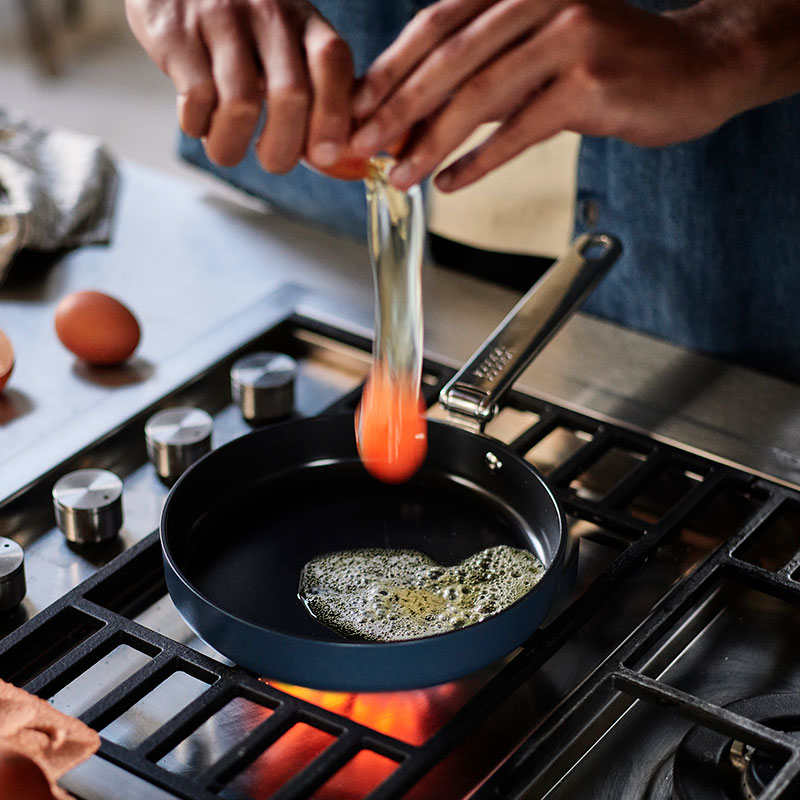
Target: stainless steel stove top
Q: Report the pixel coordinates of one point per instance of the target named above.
(685, 600)
(654, 618)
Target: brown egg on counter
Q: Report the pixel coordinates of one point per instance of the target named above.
(96, 327)
(21, 778)
(6, 359)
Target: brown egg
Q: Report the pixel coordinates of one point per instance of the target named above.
(96, 327)
(21, 777)
(6, 359)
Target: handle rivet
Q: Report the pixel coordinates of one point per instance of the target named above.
(493, 462)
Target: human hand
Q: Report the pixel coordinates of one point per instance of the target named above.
(596, 67)
(225, 57)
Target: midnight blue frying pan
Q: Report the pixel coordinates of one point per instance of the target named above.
(239, 526)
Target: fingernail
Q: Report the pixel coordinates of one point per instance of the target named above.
(366, 140)
(444, 180)
(362, 104)
(401, 174)
(325, 153)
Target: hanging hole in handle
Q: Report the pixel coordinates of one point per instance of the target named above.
(598, 247)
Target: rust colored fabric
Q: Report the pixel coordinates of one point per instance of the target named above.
(55, 741)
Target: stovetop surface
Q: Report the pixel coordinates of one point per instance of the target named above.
(685, 600)
(671, 467)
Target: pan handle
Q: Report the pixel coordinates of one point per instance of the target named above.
(471, 396)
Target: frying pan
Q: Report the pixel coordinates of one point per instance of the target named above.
(238, 527)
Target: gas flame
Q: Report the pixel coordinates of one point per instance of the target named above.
(411, 716)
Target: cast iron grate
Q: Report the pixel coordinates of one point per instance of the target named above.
(88, 623)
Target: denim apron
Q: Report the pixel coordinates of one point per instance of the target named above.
(711, 228)
(711, 231)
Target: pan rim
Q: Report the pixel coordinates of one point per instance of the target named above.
(552, 572)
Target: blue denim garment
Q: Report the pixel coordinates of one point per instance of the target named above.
(711, 231)
(369, 27)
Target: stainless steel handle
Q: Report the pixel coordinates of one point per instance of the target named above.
(473, 393)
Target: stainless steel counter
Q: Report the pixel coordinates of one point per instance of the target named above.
(193, 267)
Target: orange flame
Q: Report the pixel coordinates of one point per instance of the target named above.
(412, 716)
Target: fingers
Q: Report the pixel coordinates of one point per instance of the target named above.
(330, 67)
(190, 70)
(308, 80)
(418, 38)
(196, 103)
(537, 121)
(288, 93)
(226, 57)
(238, 87)
(174, 42)
(495, 92)
(464, 52)
(597, 67)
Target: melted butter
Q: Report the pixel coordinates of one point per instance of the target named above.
(388, 595)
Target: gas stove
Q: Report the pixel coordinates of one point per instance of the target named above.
(669, 669)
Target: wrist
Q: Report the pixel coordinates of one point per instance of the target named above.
(756, 48)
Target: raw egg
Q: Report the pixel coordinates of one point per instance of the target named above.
(391, 428)
(21, 777)
(6, 359)
(96, 327)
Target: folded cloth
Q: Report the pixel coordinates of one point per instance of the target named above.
(57, 188)
(54, 741)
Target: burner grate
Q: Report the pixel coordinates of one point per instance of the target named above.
(108, 629)
(96, 618)
(624, 668)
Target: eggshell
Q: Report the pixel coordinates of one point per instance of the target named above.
(6, 359)
(350, 167)
(96, 327)
(21, 778)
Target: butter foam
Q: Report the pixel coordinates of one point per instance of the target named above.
(389, 595)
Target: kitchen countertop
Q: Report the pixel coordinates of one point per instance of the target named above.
(188, 263)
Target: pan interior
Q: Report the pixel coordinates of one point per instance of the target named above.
(246, 553)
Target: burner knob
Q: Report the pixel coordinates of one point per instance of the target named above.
(263, 386)
(176, 438)
(88, 505)
(12, 574)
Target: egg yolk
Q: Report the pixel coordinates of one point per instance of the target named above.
(391, 427)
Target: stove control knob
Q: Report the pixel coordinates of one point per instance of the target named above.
(176, 438)
(12, 574)
(88, 505)
(263, 386)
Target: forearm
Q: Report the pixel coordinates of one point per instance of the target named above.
(761, 40)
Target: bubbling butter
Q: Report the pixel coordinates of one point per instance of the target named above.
(389, 595)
